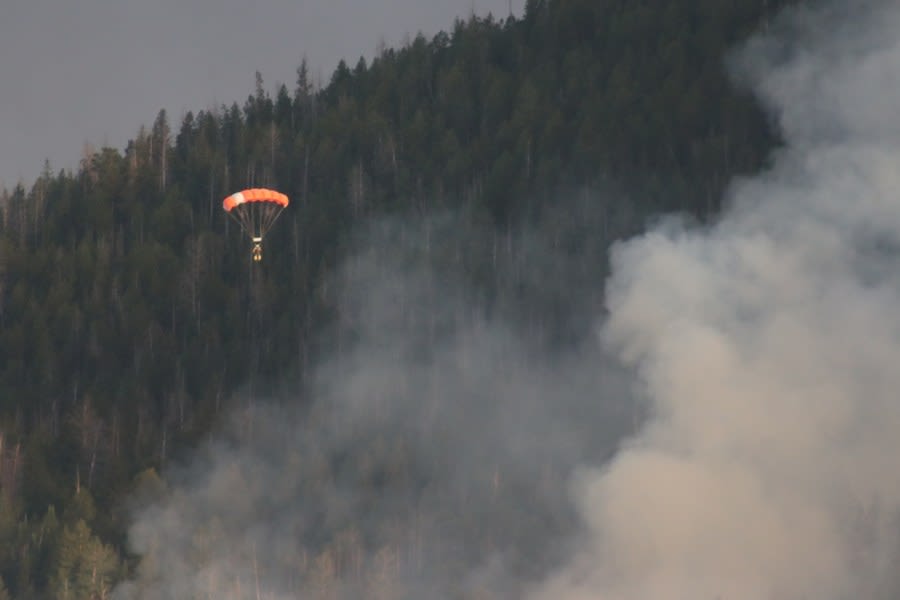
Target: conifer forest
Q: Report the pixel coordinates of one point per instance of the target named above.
(498, 162)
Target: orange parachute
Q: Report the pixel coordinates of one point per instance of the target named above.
(255, 210)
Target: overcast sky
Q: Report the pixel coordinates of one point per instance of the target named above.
(96, 70)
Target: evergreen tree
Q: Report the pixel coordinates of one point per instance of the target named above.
(129, 312)
(84, 568)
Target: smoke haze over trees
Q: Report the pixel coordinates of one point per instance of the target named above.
(393, 403)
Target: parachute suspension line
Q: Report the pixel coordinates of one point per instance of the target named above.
(238, 221)
(276, 212)
(247, 228)
(266, 218)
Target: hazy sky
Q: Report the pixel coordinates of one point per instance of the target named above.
(95, 70)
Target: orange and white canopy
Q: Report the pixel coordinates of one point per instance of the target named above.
(254, 195)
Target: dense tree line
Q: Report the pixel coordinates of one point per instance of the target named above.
(130, 311)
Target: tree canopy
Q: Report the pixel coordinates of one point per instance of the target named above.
(130, 312)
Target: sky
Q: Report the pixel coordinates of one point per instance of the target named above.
(96, 70)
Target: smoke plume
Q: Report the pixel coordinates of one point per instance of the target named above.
(426, 458)
(768, 345)
(435, 452)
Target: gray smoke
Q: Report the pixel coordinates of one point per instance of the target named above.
(768, 345)
(432, 456)
(428, 456)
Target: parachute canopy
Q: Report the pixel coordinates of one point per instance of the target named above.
(255, 210)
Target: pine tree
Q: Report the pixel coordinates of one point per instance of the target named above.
(84, 568)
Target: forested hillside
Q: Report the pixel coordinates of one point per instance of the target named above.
(131, 314)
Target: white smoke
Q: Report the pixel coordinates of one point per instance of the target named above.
(769, 347)
(767, 344)
(427, 458)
